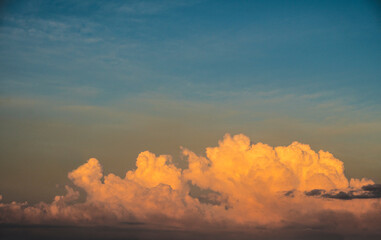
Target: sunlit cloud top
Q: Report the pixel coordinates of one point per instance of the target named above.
(241, 186)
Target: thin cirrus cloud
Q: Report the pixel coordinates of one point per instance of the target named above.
(245, 186)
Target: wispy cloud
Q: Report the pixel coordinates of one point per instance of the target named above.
(152, 7)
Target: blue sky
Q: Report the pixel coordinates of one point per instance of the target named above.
(83, 79)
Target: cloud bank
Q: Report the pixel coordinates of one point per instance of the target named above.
(237, 185)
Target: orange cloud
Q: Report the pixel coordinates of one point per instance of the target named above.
(246, 185)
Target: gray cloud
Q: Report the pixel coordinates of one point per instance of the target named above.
(366, 192)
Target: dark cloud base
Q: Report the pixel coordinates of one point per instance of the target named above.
(367, 192)
(45, 232)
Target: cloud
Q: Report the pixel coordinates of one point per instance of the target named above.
(149, 7)
(367, 191)
(237, 185)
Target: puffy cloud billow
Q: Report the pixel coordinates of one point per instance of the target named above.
(237, 185)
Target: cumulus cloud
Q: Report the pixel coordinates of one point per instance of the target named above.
(239, 185)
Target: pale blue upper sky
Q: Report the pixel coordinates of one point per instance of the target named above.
(109, 79)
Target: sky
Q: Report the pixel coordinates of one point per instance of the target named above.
(110, 80)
